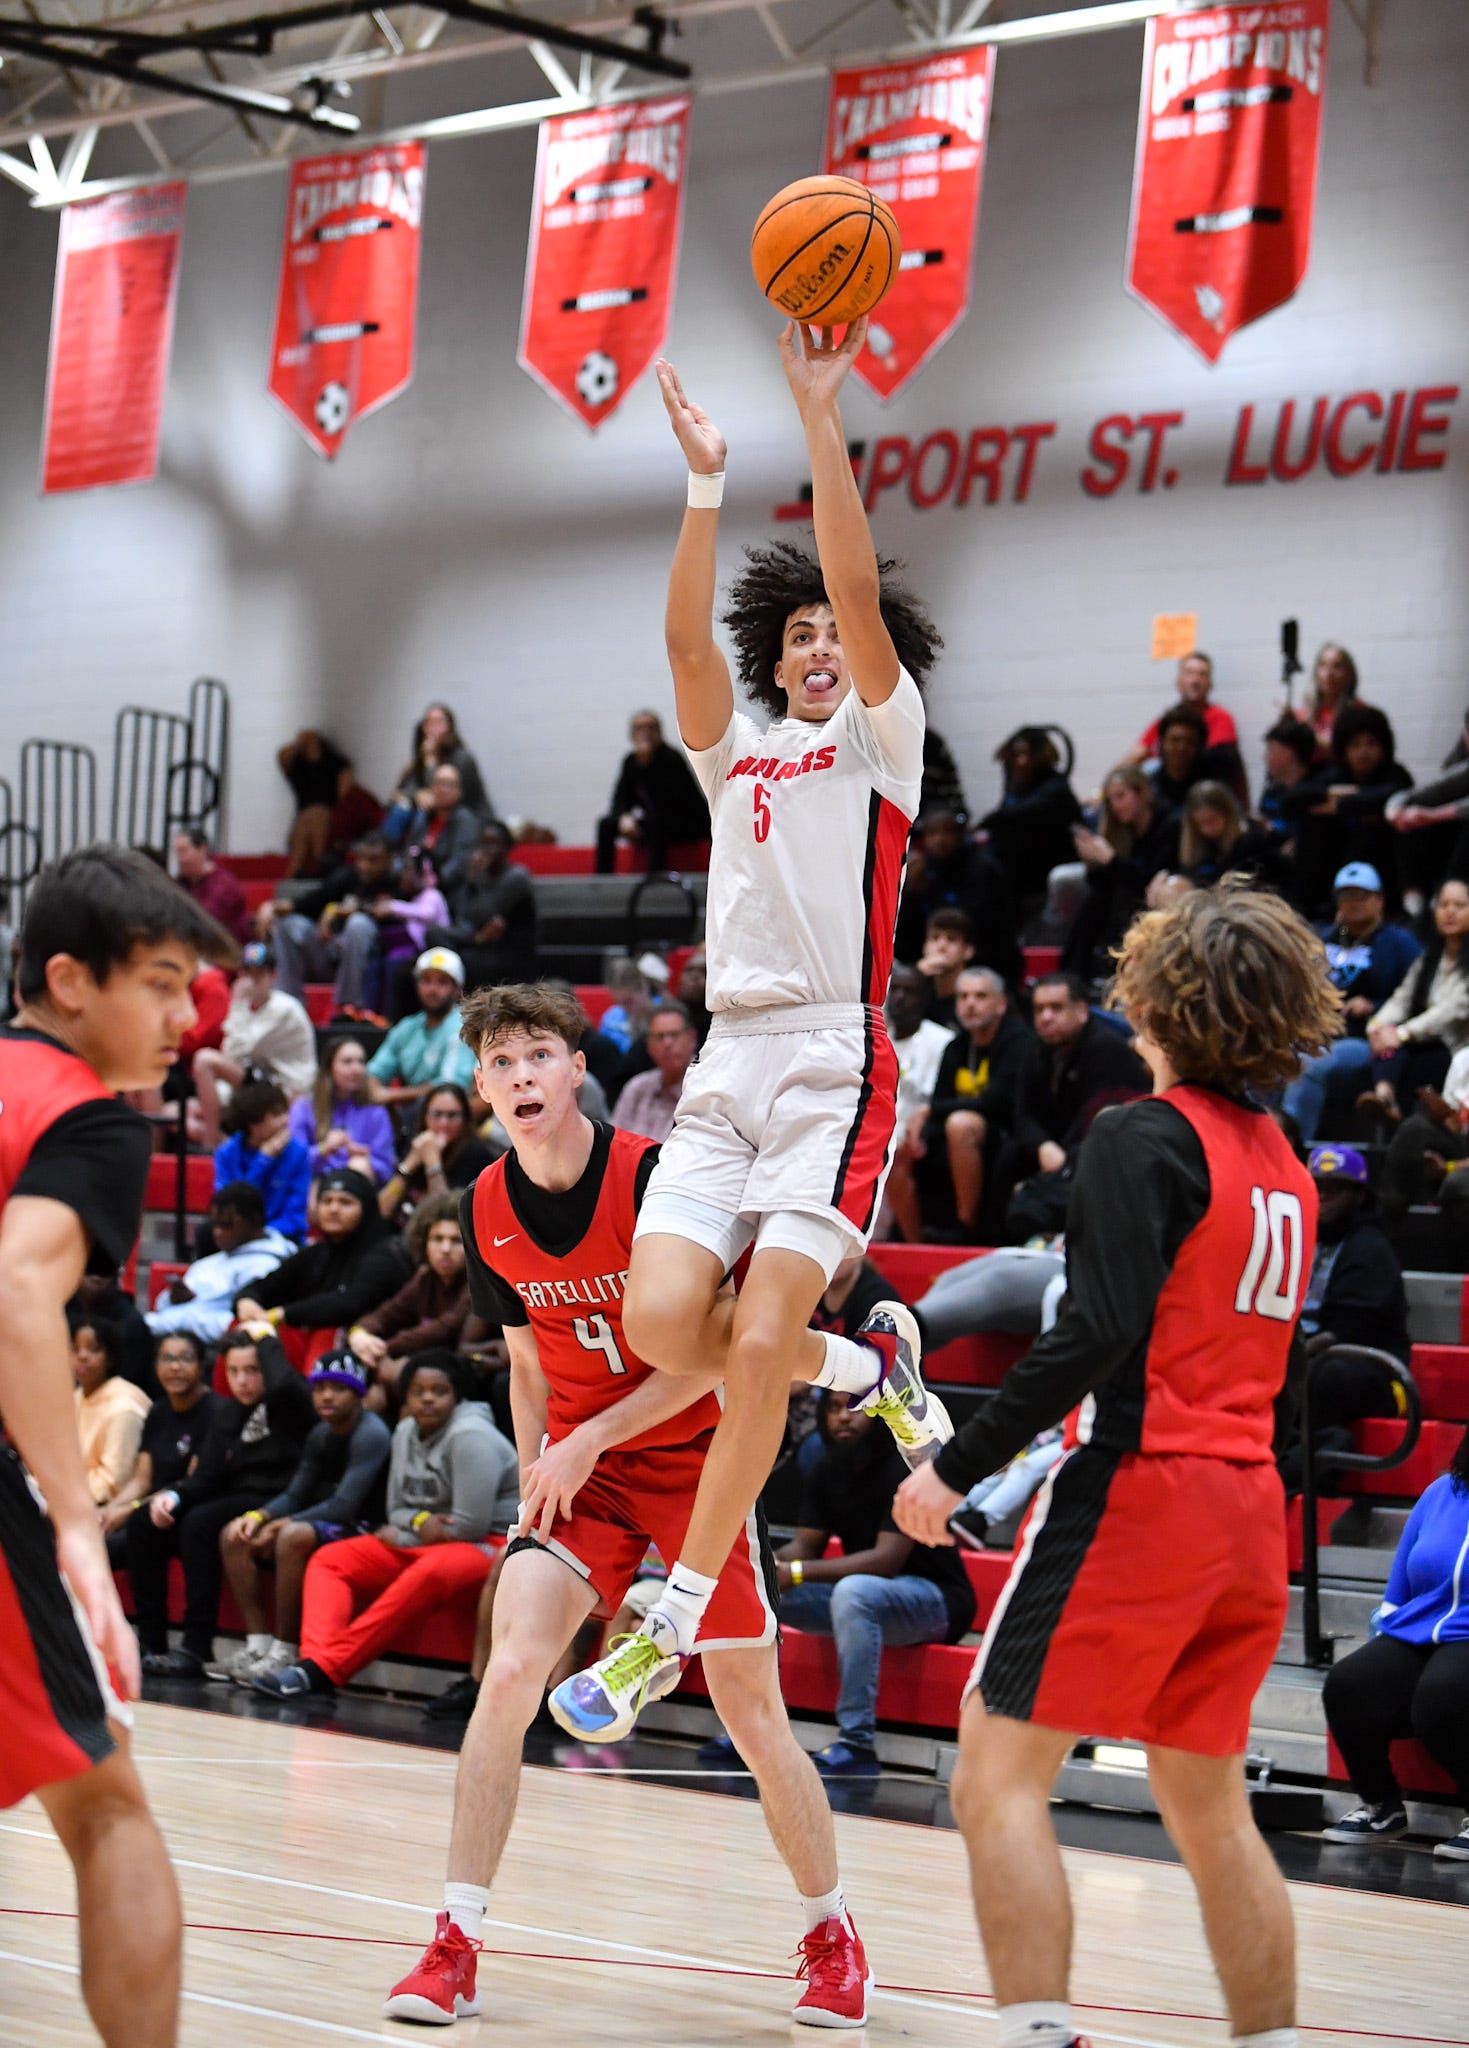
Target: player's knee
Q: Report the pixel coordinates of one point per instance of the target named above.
(657, 1328)
(513, 1682)
(296, 1539)
(760, 1357)
(965, 1126)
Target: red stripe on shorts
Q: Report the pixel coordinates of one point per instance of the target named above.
(860, 1176)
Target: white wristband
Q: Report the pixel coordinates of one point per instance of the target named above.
(706, 493)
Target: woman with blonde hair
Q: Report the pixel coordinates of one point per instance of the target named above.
(1333, 686)
(338, 1122)
(1136, 838)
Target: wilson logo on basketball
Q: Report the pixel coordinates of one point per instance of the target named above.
(796, 293)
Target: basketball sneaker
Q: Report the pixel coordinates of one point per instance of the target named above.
(1455, 1848)
(601, 1703)
(1382, 1823)
(917, 1418)
(440, 1989)
(834, 1965)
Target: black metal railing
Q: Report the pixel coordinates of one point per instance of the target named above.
(209, 747)
(168, 768)
(662, 912)
(1316, 1649)
(58, 801)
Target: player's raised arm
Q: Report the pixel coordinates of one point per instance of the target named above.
(701, 684)
(816, 367)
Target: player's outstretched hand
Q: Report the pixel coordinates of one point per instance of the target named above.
(552, 1483)
(83, 1559)
(922, 1506)
(816, 363)
(701, 441)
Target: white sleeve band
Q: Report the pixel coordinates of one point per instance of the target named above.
(706, 493)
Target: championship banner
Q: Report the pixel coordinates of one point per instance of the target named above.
(604, 233)
(1225, 176)
(915, 133)
(346, 311)
(111, 331)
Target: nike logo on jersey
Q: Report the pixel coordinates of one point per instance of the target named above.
(784, 771)
(506, 1240)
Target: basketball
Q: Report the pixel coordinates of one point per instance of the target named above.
(825, 251)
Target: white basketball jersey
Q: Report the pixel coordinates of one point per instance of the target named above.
(811, 827)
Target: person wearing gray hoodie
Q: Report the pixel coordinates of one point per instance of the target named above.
(453, 1483)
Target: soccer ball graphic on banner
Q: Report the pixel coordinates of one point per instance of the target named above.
(596, 380)
(333, 407)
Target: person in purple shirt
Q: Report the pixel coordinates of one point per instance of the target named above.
(216, 891)
(336, 1122)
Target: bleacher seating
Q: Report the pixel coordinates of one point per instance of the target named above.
(162, 1187)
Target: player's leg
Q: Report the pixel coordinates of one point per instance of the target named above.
(1247, 1915)
(545, 1602)
(129, 1919)
(295, 1547)
(744, 1686)
(1001, 1795)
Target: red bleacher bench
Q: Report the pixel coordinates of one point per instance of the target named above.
(161, 1276)
(556, 860)
(1430, 1458)
(320, 998)
(163, 1170)
(1328, 1513)
(1412, 1766)
(257, 867)
(1442, 1374)
(1040, 960)
(595, 998)
(690, 859)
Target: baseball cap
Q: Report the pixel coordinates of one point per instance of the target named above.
(1358, 874)
(340, 1368)
(440, 960)
(1338, 1162)
(257, 954)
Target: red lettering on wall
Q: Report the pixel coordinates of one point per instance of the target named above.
(890, 461)
(1106, 446)
(1282, 464)
(1420, 423)
(1157, 424)
(1389, 445)
(1031, 438)
(925, 496)
(1240, 471)
(987, 449)
(1337, 459)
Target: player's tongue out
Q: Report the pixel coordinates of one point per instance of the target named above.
(820, 681)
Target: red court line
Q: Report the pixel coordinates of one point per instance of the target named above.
(529, 1955)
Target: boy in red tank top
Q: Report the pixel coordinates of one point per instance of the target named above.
(610, 1453)
(1149, 1589)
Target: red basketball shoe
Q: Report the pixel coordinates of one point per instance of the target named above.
(834, 1965)
(441, 1989)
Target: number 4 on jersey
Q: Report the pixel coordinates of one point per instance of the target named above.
(1275, 1257)
(594, 1333)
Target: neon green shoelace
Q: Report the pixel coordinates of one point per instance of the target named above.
(631, 1664)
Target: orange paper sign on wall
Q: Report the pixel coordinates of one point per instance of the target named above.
(1175, 634)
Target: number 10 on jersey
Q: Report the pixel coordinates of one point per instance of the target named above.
(1270, 1284)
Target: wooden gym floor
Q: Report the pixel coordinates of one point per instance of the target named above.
(634, 1912)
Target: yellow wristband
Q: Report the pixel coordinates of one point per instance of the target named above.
(798, 1570)
(418, 1520)
(254, 1515)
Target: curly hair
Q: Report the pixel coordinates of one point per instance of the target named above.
(440, 1208)
(1231, 985)
(541, 1009)
(782, 579)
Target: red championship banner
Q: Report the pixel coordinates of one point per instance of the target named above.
(1225, 177)
(111, 329)
(915, 133)
(346, 310)
(603, 254)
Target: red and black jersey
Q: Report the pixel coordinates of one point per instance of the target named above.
(557, 1261)
(65, 1136)
(1189, 1245)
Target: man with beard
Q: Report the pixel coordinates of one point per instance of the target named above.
(425, 1049)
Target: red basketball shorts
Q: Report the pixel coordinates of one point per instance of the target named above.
(1146, 1601)
(55, 1697)
(637, 1498)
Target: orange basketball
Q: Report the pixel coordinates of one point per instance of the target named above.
(825, 251)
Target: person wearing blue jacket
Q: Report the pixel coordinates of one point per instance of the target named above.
(262, 1151)
(1412, 1678)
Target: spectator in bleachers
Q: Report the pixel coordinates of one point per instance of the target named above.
(218, 893)
(881, 1591)
(656, 802)
(173, 1432)
(320, 776)
(416, 908)
(1340, 809)
(690, 989)
(261, 1151)
(918, 1044)
(453, 1480)
(1433, 819)
(250, 1449)
(1030, 829)
(104, 1295)
(1425, 1021)
(1076, 1066)
(1195, 684)
(625, 1021)
(1136, 838)
(1333, 686)
(355, 1262)
(333, 931)
(1183, 750)
(1290, 755)
(436, 743)
(1355, 1292)
(110, 1409)
(946, 871)
(336, 1491)
(493, 913)
(647, 1102)
(447, 1152)
(969, 1114)
(1008, 1289)
(1215, 839)
(941, 788)
(448, 830)
(425, 1048)
(1429, 1147)
(339, 1123)
(201, 1302)
(1412, 1678)
(266, 1032)
(948, 948)
(429, 1310)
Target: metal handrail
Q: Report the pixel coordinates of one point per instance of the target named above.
(209, 743)
(1348, 1461)
(663, 879)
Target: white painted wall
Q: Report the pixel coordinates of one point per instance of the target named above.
(473, 543)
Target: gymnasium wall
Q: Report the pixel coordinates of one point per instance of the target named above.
(474, 543)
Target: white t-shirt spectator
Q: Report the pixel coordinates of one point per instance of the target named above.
(278, 1037)
(918, 1067)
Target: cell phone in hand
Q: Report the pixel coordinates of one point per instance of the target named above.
(963, 1535)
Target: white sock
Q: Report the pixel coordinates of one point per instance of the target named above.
(257, 1645)
(466, 1905)
(1041, 2024)
(284, 1649)
(830, 1906)
(1278, 2037)
(849, 1367)
(680, 1607)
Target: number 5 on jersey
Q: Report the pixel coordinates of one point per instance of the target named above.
(1270, 1284)
(594, 1333)
(762, 814)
